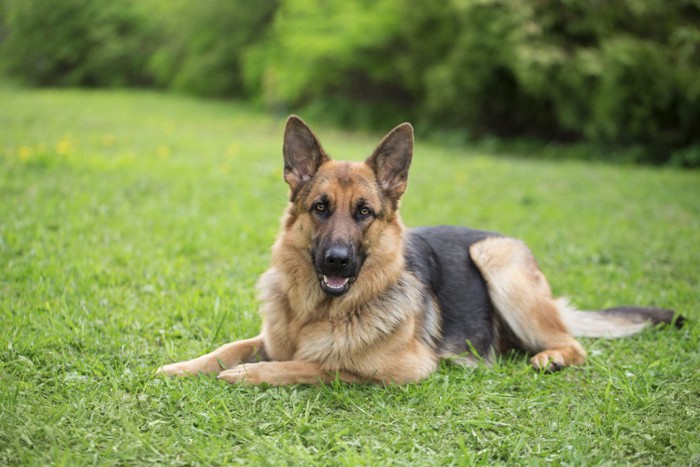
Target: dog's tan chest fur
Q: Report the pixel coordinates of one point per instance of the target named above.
(376, 339)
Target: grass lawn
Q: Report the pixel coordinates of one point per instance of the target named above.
(133, 226)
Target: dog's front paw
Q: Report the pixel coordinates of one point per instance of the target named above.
(181, 369)
(253, 373)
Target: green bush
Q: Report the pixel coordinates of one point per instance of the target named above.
(620, 74)
(76, 42)
(203, 43)
(490, 80)
(330, 55)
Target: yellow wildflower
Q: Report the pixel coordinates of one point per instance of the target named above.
(63, 147)
(108, 140)
(233, 149)
(163, 151)
(25, 152)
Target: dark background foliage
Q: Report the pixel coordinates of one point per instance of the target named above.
(622, 75)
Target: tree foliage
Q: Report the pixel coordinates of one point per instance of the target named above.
(76, 42)
(621, 74)
(202, 44)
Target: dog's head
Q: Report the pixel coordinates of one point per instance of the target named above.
(345, 212)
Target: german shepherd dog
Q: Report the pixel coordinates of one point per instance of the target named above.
(351, 294)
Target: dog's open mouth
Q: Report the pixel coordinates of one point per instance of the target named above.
(335, 285)
(336, 276)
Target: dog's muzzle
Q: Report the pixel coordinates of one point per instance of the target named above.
(337, 268)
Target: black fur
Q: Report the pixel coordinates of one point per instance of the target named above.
(439, 257)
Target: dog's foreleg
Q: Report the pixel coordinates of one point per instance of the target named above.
(226, 356)
(283, 373)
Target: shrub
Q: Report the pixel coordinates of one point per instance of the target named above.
(620, 74)
(202, 44)
(76, 42)
(617, 73)
(330, 54)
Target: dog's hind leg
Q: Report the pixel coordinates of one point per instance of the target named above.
(523, 302)
(225, 357)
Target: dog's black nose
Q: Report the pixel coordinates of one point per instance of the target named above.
(338, 259)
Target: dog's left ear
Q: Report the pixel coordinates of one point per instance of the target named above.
(303, 154)
(391, 160)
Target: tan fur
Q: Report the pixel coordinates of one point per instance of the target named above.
(282, 373)
(523, 300)
(226, 356)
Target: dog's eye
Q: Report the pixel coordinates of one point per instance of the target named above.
(365, 211)
(320, 206)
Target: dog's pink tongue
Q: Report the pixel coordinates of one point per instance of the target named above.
(335, 281)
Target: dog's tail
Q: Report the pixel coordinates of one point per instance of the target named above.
(615, 322)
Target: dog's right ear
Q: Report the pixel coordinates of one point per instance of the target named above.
(303, 154)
